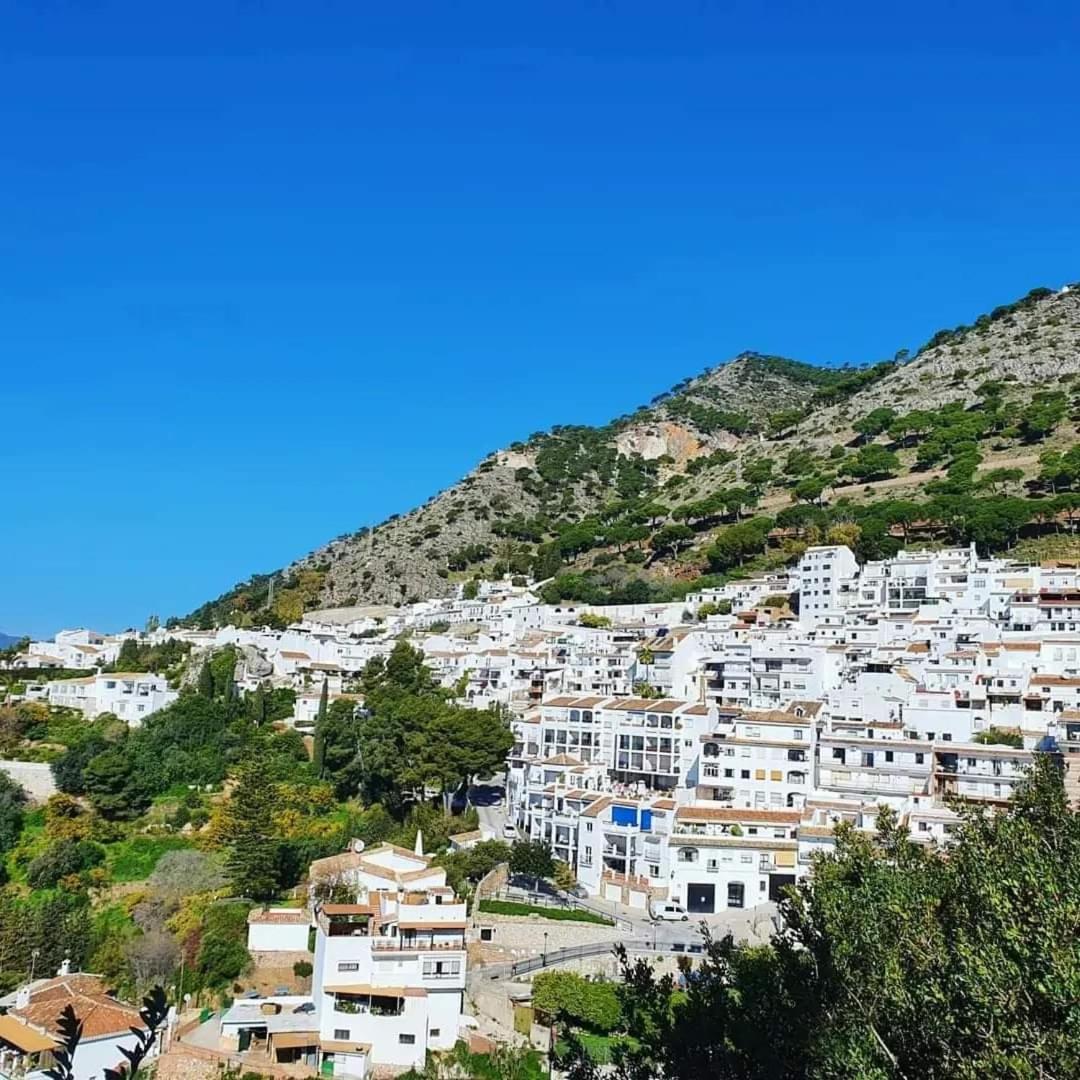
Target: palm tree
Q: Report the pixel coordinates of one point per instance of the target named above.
(647, 657)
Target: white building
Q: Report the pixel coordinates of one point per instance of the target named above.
(131, 696)
(28, 1030)
(732, 858)
(826, 577)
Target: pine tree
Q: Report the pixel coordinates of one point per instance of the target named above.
(248, 834)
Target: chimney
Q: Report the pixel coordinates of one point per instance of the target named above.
(65, 967)
(22, 997)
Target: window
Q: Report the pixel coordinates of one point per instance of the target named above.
(434, 1033)
(919, 759)
(342, 1034)
(487, 933)
(744, 774)
(888, 755)
(406, 1039)
(348, 967)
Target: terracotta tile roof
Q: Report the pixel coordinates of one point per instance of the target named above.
(662, 705)
(280, 916)
(597, 808)
(725, 814)
(333, 865)
(100, 1014)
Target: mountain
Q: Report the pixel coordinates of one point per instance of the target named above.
(6, 641)
(573, 499)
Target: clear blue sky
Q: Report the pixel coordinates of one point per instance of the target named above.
(273, 271)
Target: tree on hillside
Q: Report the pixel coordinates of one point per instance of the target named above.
(735, 544)
(318, 754)
(1045, 411)
(206, 681)
(1000, 481)
(894, 961)
(810, 490)
(758, 473)
(671, 538)
(780, 423)
(336, 750)
(411, 736)
(248, 836)
(874, 423)
(12, 804)
(872, 462)
(115, 785)
(532, 858)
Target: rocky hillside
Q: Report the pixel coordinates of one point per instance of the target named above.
(757, 423)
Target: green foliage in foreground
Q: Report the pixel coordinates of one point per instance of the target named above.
(503, 1063)
(893, 963)
(134, 859)
(510, 907)
(566, 995)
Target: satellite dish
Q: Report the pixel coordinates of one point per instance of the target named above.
(358, 846)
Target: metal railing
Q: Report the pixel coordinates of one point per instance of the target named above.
(582, 952)
(558, 900)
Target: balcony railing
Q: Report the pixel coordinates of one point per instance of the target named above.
(397, 944)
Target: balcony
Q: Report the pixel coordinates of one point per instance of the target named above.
(399, 944)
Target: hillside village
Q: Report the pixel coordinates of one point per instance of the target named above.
(618, 685)
(693, 756)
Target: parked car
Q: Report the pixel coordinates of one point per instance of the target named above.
(668, 911)
(510, 831)
(579, 892)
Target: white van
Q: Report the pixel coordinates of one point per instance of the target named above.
(668, 910)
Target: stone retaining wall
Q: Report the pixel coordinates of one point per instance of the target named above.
(518, 937)
(34, 776)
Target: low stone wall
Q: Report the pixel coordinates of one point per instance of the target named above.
(34, 776)
(518, 937)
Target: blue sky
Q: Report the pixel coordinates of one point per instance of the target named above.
(273, 271)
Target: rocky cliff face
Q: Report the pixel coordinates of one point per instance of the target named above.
(705, 430)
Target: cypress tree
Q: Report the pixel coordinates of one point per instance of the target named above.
(206, 681)
(258, 706)
(318, 750)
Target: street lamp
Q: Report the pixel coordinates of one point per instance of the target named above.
(545, 949)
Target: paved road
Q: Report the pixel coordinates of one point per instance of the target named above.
(489, 798)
